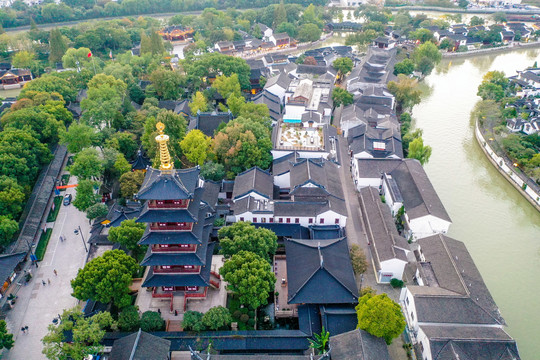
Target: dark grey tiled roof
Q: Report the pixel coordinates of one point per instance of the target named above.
(211, 193)
(375, 168)
(178, 184)
(454, 270)
(283, 164)
(325, 175)
(140, 346)
(271, 101)
(358, 345)
(190, 214)
(282, 80)
(201, 279)
(140, 162)
(419, 196)
(380, 228)
(8, 264)
(316, 266)
(209, 122)
(196, 258)
(457, 310)
(256, 180)
(364, 138)
(309, 208)
(470, 342)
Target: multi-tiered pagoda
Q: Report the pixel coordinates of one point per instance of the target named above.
(179, 256)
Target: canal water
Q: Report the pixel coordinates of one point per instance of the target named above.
(500, 228)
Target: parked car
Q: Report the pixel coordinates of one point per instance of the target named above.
(67, 199)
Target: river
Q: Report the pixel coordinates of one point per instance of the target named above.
(500, 228)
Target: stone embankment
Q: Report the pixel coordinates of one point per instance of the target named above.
(522, 183)
(506, 48)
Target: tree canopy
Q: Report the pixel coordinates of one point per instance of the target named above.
(6, 339)
(87, 165)
(244, 236)
(380, 316)
(217, 318)
(405, 90)
(196, 146)
(341, 96)
(127, 234)
(344, 65)
(130, 183)
(250, 277)
(85, 195)
(87, 334)
(106, 278)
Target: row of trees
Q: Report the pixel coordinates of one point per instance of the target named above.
(22, 14)
(498, 105)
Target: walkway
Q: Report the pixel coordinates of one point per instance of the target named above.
(39, 304)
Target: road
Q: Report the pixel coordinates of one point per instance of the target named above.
(38, 304)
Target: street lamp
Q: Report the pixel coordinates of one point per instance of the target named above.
(79, 231)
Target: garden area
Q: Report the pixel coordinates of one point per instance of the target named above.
(53, 214)
(294, 136)
(42, 244)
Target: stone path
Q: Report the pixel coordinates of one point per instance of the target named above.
(39, 304)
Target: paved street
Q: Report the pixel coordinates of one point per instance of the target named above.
(38, 304)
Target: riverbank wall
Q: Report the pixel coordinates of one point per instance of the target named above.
(460, 10)
(507, 170)
(502, 49)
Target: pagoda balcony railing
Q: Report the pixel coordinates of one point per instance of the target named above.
(174, 248)
(175, 204)
(157, 227)
(158, 270)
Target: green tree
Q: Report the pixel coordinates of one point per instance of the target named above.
(106, 278)
(341, 96)
(380, 316)
(167, 83)
(152, 321)
(193, 321)
(127, 234)
(129, 319)
(196, 146)
(175, 128)
(212, 171)
(85, 195)
(287, 27)
(96, 211)
(406, 91)
(227, 85)
(12, 197)
(57, 46)
(217, 318)
(426, 53)
(476, 20)
(198, 103)
(23, 59)
(250, 277)
(244, 236)
(358, 259)
(87, 164)
(76, 58)
(242, 144)
(42, 125)
(125, 143)
(130, 183)
(215, 63)
(21, 155)
(280, 14)
(309, 33)
(344, 65)
(8, 229)
(421, 35)
(121, 165)
(446, 44)
(49, 84)
(497, 78)
(78, 137)
(104, 100)
(405, 67)
(419, 151)
(156, 43)
(499, 17)
(6, 339)
(320, 341)
(490, 91)
(86, 335)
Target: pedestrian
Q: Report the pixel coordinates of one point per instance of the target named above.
(23, 330)
(55, 273)
(26, 328)
(49, 281)
(43, 282)
(159, 311)
(175, 312)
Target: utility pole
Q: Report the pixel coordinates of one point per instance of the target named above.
(79, 231)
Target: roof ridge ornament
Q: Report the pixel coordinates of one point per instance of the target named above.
(164, 155)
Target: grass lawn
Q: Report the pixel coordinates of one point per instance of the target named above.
(42, 244)
(54, 213)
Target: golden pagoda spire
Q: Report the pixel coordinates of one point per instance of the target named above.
(164, 155)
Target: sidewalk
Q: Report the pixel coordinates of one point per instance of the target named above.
(39, 304)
